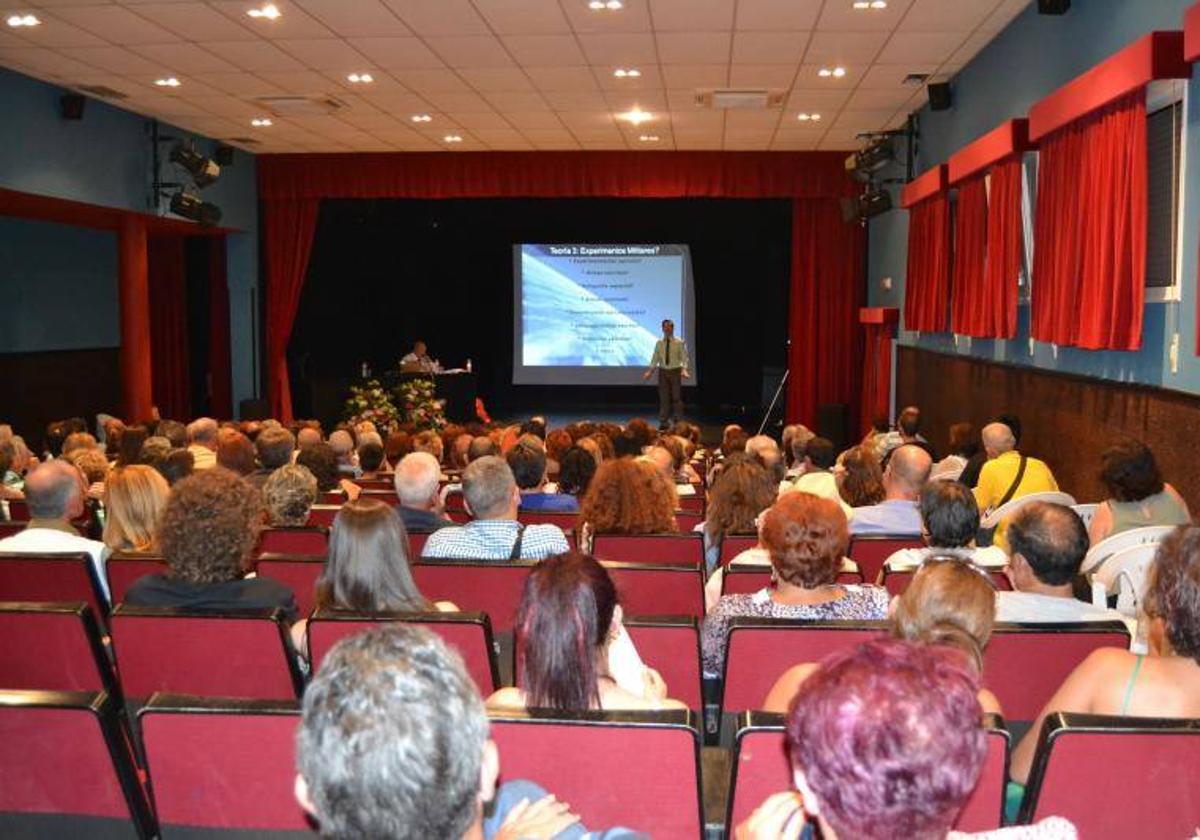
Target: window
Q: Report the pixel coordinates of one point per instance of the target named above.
(1164, 147)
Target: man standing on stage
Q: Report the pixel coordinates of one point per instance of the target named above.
(671, 359)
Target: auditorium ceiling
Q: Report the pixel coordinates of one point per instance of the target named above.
(424, 75)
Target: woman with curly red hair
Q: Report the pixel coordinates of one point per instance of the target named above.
(627, 496)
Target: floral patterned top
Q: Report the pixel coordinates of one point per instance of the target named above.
(859, 603)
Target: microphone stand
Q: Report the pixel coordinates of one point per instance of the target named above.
(774, 400)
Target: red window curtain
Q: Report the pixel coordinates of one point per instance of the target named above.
(170, 373)
(827, 290)
(219, 362)
(1005, 247)
(290, 228)
(1089, 272)
(970, 254)
(927, 286)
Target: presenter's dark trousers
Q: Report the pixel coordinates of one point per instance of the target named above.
(670, 395)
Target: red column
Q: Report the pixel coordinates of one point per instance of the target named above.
(879, 325)
(136, 400)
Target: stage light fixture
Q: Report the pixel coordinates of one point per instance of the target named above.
(875, 156)
(204, 171)
(23, 20)
(874, 202)
(268, 11)
(191, 206)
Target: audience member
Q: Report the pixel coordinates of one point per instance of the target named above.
(627, 444)
(154, 448)
(1112, 681)
(908, 431)
(949, 524)
(174, 431)
(873, 440)
(93, 464)
(235, 452)
(460, 451)
(493, 498)
(416, 480)
(129, 449)
(528, 465)
(576, 470)
(739, 494)
(54, 493)
(323, 463)
(207, 535)
(964, 444)
(568, 625)
(557, 444)
(1008, 474)
(1138, 497)
(905, 475)
(10, 482)
(481, 447)
(370, 457)
(342, 444)
(134, 499)
(202, 443)
(591, 446)
(77, 441)
(275, 447)
(817, 475)
(1047, 543)
(288, 495)
(307, 436)
(970, 473)
(176, 464)
(765, 450)
(795, 439)
(859, 477)
(806, 538)
(627, 496)
(429, 441)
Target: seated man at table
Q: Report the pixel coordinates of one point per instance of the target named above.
(418, 360)
(528, 465)
(493, 498)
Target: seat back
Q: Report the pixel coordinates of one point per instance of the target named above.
(123, 570)
(1126, 572)
(897, 580)
(308, 539)
(469, 633)
(52, 577)
(734, 544)
(220, 763)
(322, 516)
(871, 551)
(660, 549)
(53, 647)
(1024, 664)
(671, 645)
(994, 518)
(334, 498)
(1085, 512)
(298, 572)
(10, 529)
(563, 519)
(687, 520)
(1101, 551)
(242, 654)
(635, 769)
(761, 649)
(658, 590)
(387, 496)
(416, 542)
(18, 510)
(1117, 776)
(761, 767)
(476, 586)
(65, 768)
(748, 578)
(692, 504)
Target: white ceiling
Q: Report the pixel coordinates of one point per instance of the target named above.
(507, 74)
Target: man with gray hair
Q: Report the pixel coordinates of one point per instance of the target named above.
(342, 444)
(393, 742)
(1008, 474)
(54, 492)
(202, 442)
(416, 481)
(493, 498)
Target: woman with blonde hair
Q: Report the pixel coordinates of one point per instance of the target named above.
(134, 499)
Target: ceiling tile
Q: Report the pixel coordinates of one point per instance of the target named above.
(769, 47)
(118, 60)
(844, 47)
(195, 21)
(325, 54)
(746, 120)
(58, 33)
(184, 58)
(863, 120)
(693, 47)
(396, 53)
(762, 75)
(523, 17)
(870, 99)
(620, 49)
(397, 102)
(501, 137)
(116, 25)
(563, 78)
(633, 18)
(574, 100)
(691, 15)
(647, 101)
(255, 56)
(539, 119)
(695, 75)
(925, 47)
(357, 18)
(456, 101)
(422, 80)
(298, 81)
(470, 51)
(439, 17)
(697, 121)
(843, 17)
(474, 120)
(699, 143)
(775, 15)
(509, 103)
(682, 99)
(44, 63)
(545, 50)
(946, 15)
(293, 21)
(825, 101)
(497, 79)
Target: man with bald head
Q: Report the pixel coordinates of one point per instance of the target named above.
(1008, 474)
(54, 492)
(898, 513)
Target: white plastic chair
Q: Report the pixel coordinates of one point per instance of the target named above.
(1097, 554)
(1125, 572)
(1086, 512)
(1010, 507)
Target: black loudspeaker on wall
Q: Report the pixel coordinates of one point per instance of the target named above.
(939, 96)
(1053, 7)
(223, 155)
(72, 106)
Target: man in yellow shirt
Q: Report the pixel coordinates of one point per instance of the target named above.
(999, 474)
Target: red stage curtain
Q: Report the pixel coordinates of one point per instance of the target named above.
(877, 374)
(290, 227)
(1089, 272)
(927, 286)
(970, 253)
(170, 372)
(827, 291)
(219, 362)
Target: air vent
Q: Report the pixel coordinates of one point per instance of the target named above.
(102, 91)
(286, 106)
(726, 98)
(915, 79)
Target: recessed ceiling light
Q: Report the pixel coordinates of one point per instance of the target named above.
(360, 78)
(169, 81)
(870, 4)
(452, 138)
(623, 73)
(605, 5)
(649, 138)
(635, 115)
(23, 20)
(835, 72)
(807, 117)
(420, 118)
(269, 11)
(260, 122)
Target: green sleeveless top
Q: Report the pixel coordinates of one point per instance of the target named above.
(1160, 509)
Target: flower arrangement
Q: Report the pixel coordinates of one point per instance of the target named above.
(371, 401)
(415, 397)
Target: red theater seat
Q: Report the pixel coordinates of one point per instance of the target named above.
(659, 549)
(53, 647)
(469, 633)
(658, 590)
(123, 570)
(66, 770)
(490, 587)
(387, 496)
(8, 529)
(222, 764)
(308, 540)
(897, 580)
(297, 572)
(322, 516)
(734, 544)
(416, 542)
(1117, 776)
(748, 578)
(634, 769)
(761, 768)
(52, 577)
(18, 510)
(565, 521)
(687, 520)
(692, 504)
(670, 644)
(243, 654)
(871, 551)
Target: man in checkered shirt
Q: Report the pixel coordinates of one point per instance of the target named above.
(492, 497)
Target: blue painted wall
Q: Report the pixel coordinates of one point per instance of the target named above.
(103, 159)
(1032, 57)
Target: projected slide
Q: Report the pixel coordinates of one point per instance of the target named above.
(592, 313)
